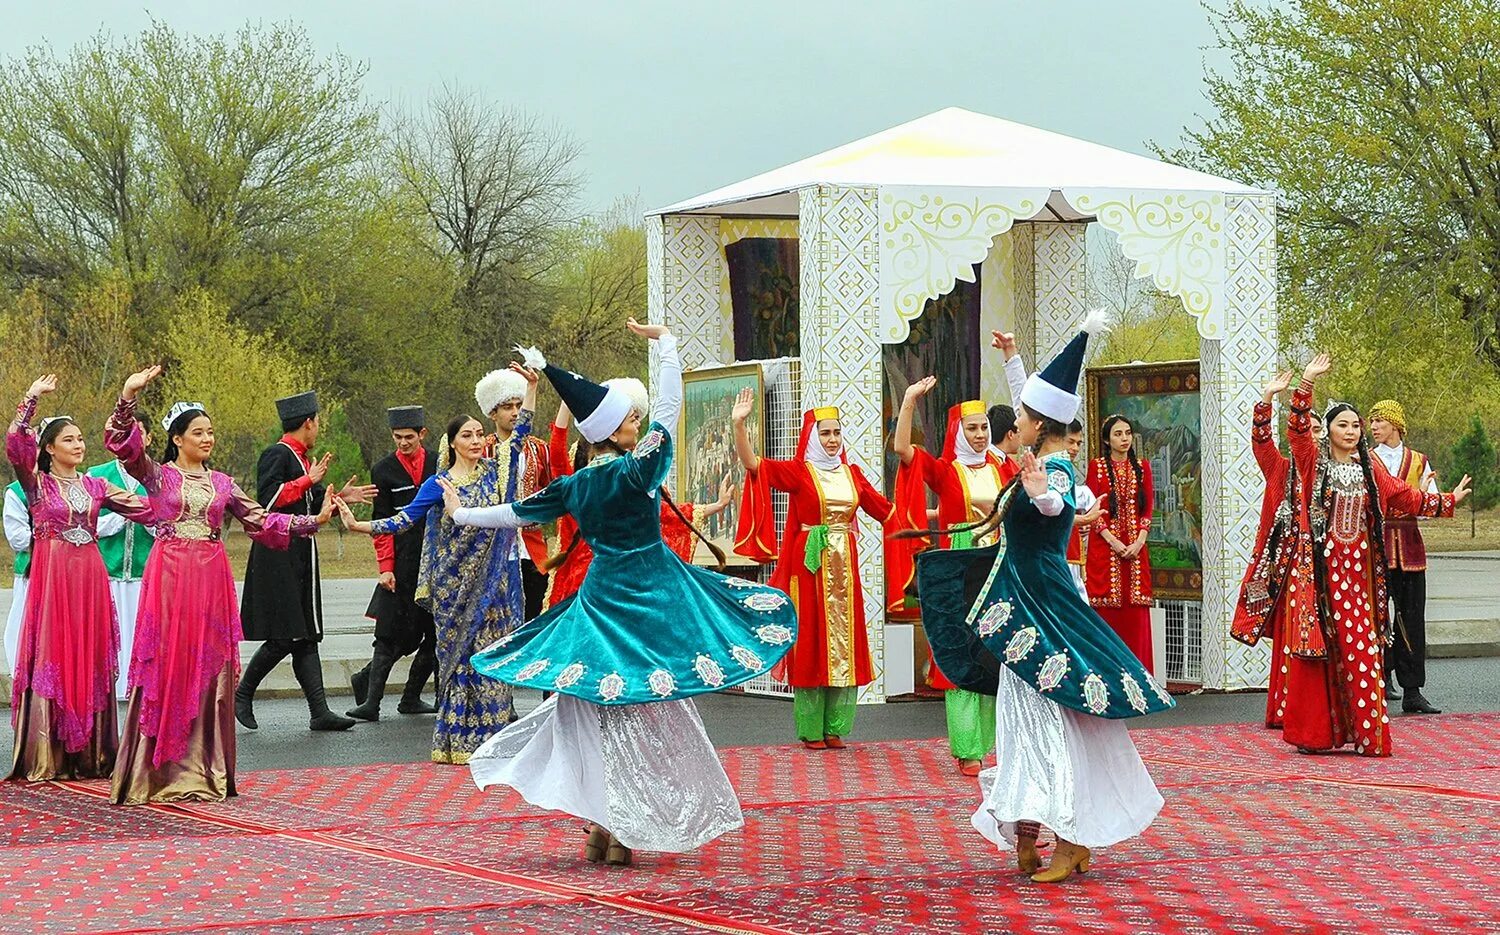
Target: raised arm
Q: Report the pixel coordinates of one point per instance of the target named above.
(557, 444)
(20, 439)
(123, 437)
(743, 404)
(901, 442)
(1015, 367)
(1299, 423)
(1262, 428)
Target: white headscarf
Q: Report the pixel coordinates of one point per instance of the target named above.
(963, 452)
(819, 457)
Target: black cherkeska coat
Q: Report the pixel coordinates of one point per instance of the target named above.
(283, 596)
(399, 620)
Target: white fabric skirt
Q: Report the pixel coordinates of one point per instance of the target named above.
(1074, 773)
(127, 598)
(646, 772)
(1083, 590)
(13, 623)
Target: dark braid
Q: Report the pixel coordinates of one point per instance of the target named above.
(1109, 468)
(1140, 481)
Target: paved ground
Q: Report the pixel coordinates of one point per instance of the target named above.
(283, 741)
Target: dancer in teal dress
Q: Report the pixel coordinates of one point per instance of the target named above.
(621, 744)
(1008, 619)
(470, 580)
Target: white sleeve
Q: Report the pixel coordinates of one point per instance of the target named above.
(1050, 503)
(1084, 497)
(488, 517)
(17, 522)
(1015, 378)
(668, 406)
(110, 524)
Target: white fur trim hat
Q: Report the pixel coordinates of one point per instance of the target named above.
(496, 387)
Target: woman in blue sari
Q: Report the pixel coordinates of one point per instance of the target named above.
(470, 580)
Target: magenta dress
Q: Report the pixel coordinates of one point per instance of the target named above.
(178, 741)
(62, 695)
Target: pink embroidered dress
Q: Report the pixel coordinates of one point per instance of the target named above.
(178, 742)
(62, 692)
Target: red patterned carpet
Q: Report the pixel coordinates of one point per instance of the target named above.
(874, 839)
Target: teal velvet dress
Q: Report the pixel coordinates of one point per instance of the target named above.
(1015, 604)
(645, 626)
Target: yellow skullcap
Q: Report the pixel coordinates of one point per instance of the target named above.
(1392, 412)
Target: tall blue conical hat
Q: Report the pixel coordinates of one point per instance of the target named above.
(599, 410)
(1053, 392)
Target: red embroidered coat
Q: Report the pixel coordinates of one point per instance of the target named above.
(1111, 581)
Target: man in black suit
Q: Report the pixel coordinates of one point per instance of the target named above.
(283, 600)
(402, 627)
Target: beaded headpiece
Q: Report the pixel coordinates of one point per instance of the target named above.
(177, 410)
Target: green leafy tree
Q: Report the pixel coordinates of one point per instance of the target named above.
(1377, 123)
(1474, 455)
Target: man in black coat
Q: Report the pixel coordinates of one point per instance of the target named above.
(283, 601)
(402, 627)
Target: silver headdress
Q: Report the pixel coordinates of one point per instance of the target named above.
(177, 410)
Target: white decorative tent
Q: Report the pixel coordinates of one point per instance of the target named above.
(890, 221)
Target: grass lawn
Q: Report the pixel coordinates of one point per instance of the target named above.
(343, 555)
(1452, 535)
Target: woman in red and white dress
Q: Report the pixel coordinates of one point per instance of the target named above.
(1119, 569)
(1335, 684)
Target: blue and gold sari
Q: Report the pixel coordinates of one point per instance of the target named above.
(470, 581)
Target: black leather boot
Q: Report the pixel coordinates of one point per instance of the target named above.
(1416, 703)
(360, 682)
(260, 665)
(375, 673)
(422, 665)
(309, 671)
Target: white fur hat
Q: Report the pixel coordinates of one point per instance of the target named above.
(640, 400)
(496, 387)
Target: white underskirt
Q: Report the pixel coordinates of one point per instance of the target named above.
(1083, 590)
(646, 772)
(127, 598)
(1074, 773)
(13, 622)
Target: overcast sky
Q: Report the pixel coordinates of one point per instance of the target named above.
(672, 99)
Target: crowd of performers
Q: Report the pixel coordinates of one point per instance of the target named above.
(1042, 648)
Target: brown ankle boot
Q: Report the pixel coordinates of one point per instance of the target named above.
(1067, 858)
(1027, 858)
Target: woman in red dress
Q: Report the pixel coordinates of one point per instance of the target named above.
(817, 565)
(1119, 568)
(574, 555)
(967, 479)
(1335, 683)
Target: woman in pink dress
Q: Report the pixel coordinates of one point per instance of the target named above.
(178, 742)
(62, 693)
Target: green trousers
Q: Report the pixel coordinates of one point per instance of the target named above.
(828, 712)
(971, 723)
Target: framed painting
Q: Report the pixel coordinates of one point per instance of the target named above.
(1162, 402)
(705, 453)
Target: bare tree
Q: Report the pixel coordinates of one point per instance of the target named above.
(496, 185)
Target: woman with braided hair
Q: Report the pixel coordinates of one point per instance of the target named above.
(1335, 683)
(1119, 569)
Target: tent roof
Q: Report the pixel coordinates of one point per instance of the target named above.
(959, 148)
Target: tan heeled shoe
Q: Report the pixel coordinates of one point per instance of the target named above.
(598, 842)
(1027, 858)
(617, 855)
(1067, 858)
